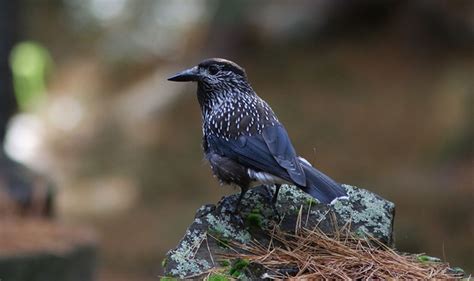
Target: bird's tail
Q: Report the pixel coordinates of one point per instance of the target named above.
(320, 186)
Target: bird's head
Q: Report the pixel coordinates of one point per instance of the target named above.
(213, 73)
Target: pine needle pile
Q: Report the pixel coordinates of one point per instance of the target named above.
(312, 254)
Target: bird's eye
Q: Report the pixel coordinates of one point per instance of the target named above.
(213, 70)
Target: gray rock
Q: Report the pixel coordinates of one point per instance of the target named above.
(215, 225)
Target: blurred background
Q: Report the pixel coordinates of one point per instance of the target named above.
(378, 94)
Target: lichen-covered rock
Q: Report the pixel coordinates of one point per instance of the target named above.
(216, 225)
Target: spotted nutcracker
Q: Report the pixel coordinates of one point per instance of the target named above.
(243, 140)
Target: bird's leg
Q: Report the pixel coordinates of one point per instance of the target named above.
(268, 189)
(243, 190)
(275, 199)
(275, 195)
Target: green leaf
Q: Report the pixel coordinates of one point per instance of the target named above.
(425, 258)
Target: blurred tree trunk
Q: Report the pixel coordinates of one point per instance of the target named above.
(8, 36)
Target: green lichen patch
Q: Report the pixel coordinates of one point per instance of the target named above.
(371, 215)
(291, 198)
(226, 229)
(185, 261)
(290, 193)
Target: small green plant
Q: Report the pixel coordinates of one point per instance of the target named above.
(224, 263)
(164, 262)
(218, 277)
(254, 220)
(238, 267)
(425, 259)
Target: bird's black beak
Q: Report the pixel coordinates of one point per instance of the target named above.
(191, 74)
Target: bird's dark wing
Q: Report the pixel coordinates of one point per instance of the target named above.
(280, 147)
(271, 152)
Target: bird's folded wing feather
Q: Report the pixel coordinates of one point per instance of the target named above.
(271, 152)
(284, 153)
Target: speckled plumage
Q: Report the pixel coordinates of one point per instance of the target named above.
(234, 113)
(243, 139)
(230, 108)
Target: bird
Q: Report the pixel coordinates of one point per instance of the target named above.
(243, 140)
